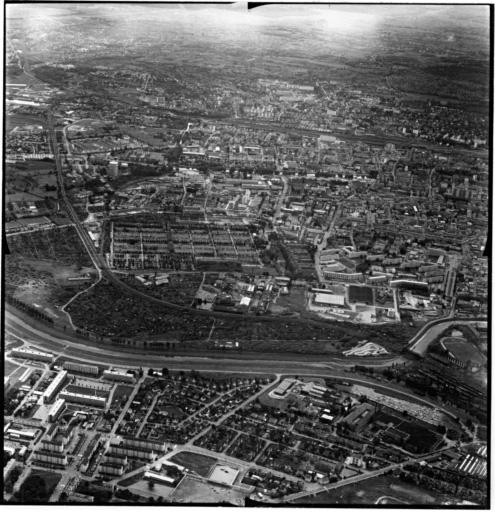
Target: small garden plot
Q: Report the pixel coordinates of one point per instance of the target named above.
(200, 464)
(121, 394)
(246, 447)
(216, 439)
(172, 411)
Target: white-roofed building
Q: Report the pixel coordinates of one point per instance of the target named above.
(325, 299)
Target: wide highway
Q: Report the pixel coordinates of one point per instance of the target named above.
(45, 338)
(18, 330)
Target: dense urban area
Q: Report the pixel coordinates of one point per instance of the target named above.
(246, 255)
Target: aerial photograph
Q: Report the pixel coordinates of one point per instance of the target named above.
(245, 254)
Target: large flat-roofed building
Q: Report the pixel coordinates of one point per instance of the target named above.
(82, 368)
(52, 458)
(115, 458)
(111, 468)
(150, 475)
(224, 475)
(133, 451)
(56, 410)
(52, 390)
(343, 276)
(407, 283)
(53, 445)
(79, 398)
(313, 389)
(326, 299)
(120, 376)
(32, 354)
(144, 443)
(360, 417)
(23, 435)
(283, 388)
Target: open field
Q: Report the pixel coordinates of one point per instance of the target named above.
(195, 491)
(9, 367)
(158, 490)
(294, 302)
(32, 176)
(23, 119)
(43, 283)
(200, 464)
(369, 491)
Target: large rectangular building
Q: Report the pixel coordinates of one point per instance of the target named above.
(326, 299)
(144, 443)
(56, 410)
(343, 276)
(360, 417)
(52, 446)
(131, 451)
(120, 376)
(115, 458)
(95, 401)
(82, 368)
(52, 458)
(32, 354)
(111, 468)
(52, 390)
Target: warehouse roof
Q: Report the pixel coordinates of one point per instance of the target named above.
(325, 298)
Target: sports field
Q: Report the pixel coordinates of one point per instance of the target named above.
(369, 491)
(463, 350)
(200, 464)
(361, 294)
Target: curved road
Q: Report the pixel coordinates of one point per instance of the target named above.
(21, 331)
(245, 362)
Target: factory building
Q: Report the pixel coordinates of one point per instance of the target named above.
(95, 401)
(82, 368)
(120, 376)
(52, 390)
(360, 417)
(32, 354)
(56, 410)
